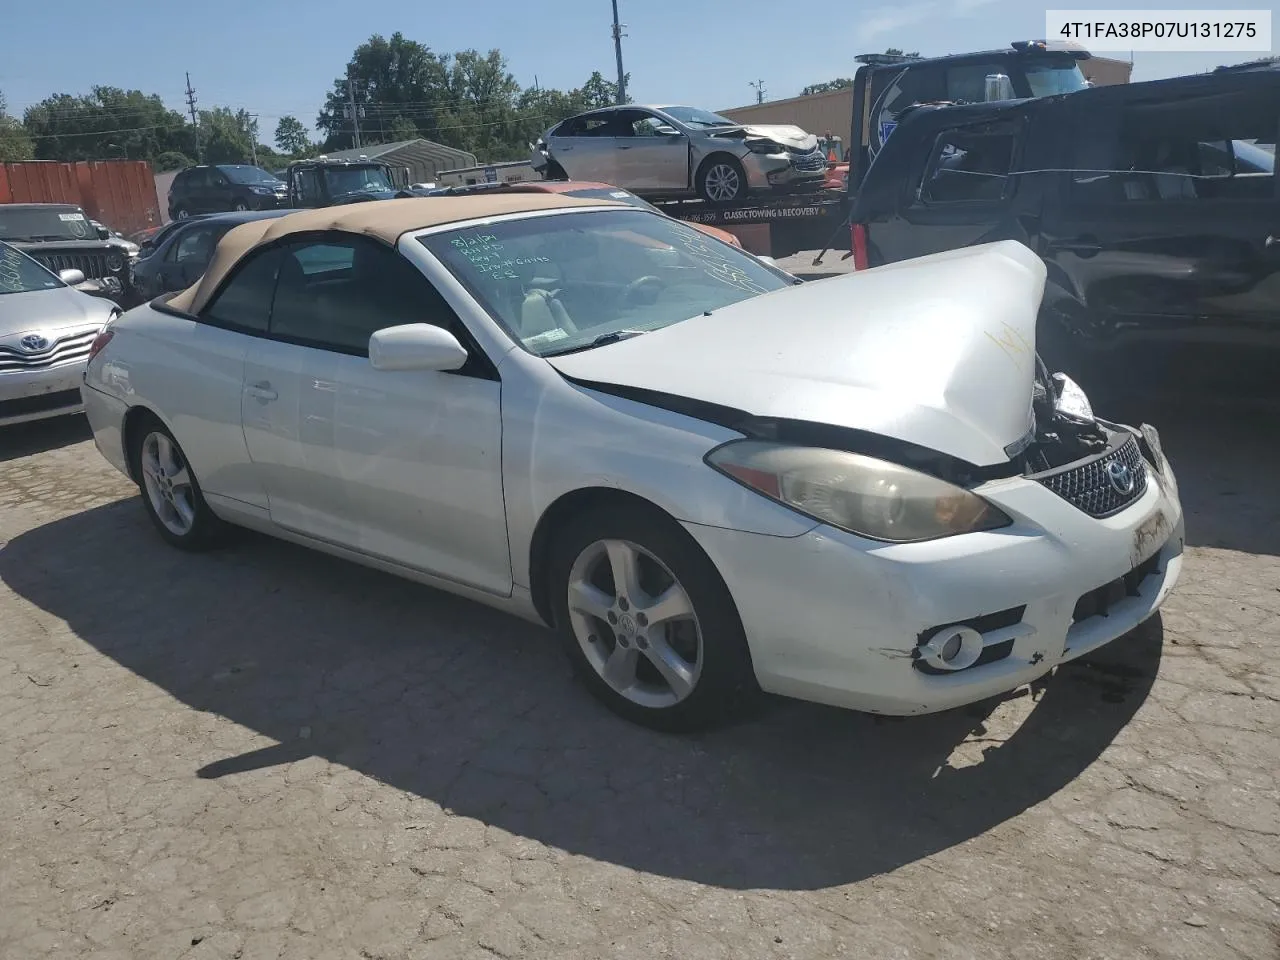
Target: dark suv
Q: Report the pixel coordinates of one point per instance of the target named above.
(62, 237)
(226, 186)
(1155, 206)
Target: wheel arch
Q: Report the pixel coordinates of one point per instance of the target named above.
(553, 519)
(134, 418)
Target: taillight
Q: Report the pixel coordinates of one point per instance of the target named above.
(100, 341)
(858, 242)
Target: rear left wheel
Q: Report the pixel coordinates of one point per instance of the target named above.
(170, 492)
(648, 622)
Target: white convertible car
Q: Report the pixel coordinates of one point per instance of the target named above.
(709, 480)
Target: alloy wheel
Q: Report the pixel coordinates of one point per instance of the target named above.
(168, 484)
(635, 623)
(722, 182)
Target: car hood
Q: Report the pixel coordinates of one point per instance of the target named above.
(937, 352)
(783, 133)
(47, 311)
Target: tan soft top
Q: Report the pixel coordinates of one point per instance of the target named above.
(388, 220)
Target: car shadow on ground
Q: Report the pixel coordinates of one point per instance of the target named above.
(1226, 456)
(41, 436)
(477, 711)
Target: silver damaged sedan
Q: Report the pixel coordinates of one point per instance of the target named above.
(47, 329)
(674, 151)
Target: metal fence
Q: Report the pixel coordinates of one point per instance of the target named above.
(118, 193)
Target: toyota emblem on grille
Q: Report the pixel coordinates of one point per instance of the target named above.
(33, 342)
(1121, 477)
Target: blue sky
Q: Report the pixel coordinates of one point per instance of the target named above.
(275, 58)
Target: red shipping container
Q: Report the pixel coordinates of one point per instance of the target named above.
(118, 193)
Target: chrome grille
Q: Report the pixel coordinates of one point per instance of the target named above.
(1088, 486)
(92, 264)
(809, 162)
(73, 346)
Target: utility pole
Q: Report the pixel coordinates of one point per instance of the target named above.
(195, 122)
(759, 88)
(353, 111)
(253, 137)
(617, 51)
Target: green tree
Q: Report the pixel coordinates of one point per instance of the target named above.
(291, 135)
(839, 83)
(469, 100)
(226, 135)
(108, 122)
(170, 160)
(14, 142)
(895, 52)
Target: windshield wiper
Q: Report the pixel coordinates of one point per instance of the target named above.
(601, 341)
(40, 238)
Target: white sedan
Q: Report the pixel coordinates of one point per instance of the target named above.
(709, 480)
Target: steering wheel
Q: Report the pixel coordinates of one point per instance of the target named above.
(650, 282)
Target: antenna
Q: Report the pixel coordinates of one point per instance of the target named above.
(759, 88)
(195, 123)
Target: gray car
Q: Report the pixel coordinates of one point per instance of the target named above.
(674, 151)
(46, 331)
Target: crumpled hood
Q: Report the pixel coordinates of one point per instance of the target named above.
(937, 351)
(783, 133)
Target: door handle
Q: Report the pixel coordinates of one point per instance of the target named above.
(625, 146)
(261, 391)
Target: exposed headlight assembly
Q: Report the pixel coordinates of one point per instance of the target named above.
(872, 498)
(765, 146)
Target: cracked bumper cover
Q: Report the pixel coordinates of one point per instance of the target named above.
(833, 618)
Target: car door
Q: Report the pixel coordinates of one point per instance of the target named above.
(207, 370)
(586, 147)
(187, 257)
(401, 466)
(653, 153)
(1169, 226)
(958, 191)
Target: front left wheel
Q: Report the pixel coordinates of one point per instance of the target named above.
(170, 492)
(647, 621)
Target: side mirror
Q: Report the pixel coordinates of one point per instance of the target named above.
(416, 346)
(104, 233)
(71, 277)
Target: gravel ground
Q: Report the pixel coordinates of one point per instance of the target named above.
(264, 753)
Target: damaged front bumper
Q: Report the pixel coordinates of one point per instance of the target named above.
(837, 619)
(777, 171)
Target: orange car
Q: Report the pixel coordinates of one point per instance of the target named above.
(583, 188)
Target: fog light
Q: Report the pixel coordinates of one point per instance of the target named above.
(952, 648)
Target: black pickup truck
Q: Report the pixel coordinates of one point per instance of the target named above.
(62, 237)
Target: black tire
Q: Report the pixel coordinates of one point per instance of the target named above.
(180, 212)
(712, 169)
(725, 687)
(554, 172)
(241, 206)
(206, 529)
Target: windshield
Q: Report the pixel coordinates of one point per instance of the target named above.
(20, 274)
(559, 282)
(1047, 78)
(356, 180)
(246, 175)
(45, 223)
(692, 117)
